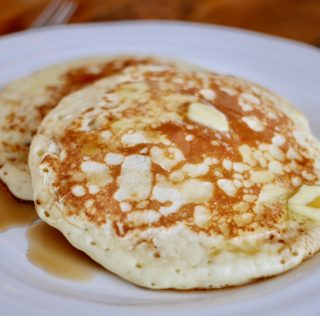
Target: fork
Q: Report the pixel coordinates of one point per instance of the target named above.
(57, 12)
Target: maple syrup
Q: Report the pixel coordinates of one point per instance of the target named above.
(50, 251)
(13, 212)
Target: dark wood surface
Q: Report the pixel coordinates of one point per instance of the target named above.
(295, 19)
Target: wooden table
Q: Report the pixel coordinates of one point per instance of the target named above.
(295, 19)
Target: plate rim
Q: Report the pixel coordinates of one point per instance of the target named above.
(155, 22)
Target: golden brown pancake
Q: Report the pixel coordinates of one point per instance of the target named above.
(179, 179)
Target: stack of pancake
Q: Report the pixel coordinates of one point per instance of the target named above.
(166, 174)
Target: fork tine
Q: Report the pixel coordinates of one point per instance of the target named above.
(64, 13)
(55, 15)
(45, 16)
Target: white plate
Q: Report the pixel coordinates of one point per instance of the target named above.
(289, 68)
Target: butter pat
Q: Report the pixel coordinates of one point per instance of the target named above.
(315, 203)
(208, 116)
(301, 202)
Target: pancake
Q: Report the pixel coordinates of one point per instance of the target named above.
(25, 102)
(180, 179)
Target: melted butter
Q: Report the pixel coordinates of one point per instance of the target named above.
(315, 203)
(14, 213)
(90, 149)
(50, 251)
